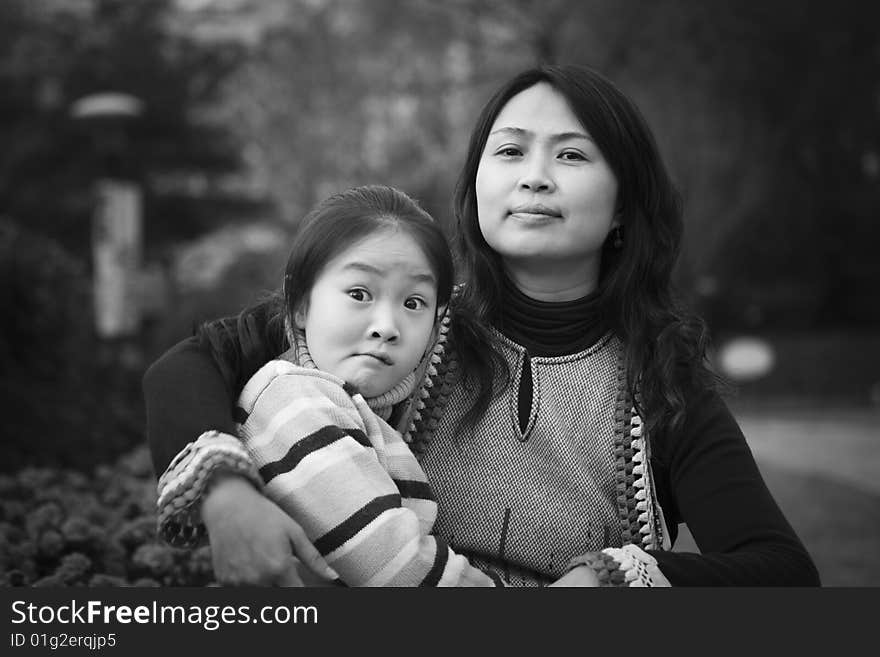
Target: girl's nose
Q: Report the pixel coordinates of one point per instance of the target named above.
(386, 335)
(383, 326)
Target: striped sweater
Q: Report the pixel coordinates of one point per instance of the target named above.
(348, 479)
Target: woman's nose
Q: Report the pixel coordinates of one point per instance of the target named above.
(536, 176)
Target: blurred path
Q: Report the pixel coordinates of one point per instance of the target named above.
(823, 467)
(841, 444)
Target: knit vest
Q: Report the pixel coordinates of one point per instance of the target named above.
(523, 503)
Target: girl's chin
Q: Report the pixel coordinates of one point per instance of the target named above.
(367, 383)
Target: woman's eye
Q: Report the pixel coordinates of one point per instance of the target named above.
(359, 294)
(415, 303)
(509, 151)
(573, 156)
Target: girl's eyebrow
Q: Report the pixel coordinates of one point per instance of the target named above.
(426, 277)
(521, 132)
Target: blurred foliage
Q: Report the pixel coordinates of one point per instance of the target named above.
(55, 52)
(767, 114)
(67, 398)
(245, 281)
(790, 236)
(64, 528)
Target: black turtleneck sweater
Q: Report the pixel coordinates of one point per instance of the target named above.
(550, 328)
(547, 328)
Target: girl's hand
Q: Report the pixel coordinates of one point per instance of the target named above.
(580, 576)
(254, 542)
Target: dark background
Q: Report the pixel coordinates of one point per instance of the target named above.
(768, 115)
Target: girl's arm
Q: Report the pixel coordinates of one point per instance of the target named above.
(252, 540)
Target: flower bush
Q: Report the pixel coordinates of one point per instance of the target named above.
(60, 527)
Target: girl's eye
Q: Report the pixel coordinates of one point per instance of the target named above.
(415, 303)
(359, 294)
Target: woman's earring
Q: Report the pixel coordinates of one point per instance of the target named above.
(618, 238)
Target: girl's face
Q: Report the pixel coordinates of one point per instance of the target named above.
(371, 312)
(544, 190)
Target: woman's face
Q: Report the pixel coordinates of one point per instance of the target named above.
(544, 190)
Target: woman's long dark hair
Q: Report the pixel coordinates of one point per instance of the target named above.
(665, 345)
(242, 344)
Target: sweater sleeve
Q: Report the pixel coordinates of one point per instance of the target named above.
(717, 489)
(326, 465)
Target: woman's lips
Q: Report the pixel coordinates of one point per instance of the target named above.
(535, 214)
(536, 210)
(533, 218)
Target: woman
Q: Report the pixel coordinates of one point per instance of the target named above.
(569, 423)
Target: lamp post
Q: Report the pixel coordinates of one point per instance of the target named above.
(117, 231)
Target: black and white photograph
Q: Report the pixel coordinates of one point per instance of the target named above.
(415, 293)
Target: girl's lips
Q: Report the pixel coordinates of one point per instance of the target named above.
(383, 358)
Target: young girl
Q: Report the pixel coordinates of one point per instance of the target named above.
(571, 423)
(366, 285)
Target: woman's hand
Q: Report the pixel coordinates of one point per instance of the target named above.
(254, 542)
(580, 576)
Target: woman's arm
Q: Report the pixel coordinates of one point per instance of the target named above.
(712, 483)
(185, 396)
(743, 536)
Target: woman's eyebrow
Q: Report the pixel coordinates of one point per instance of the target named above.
(517, 132)
(522, 132)
(563, 136)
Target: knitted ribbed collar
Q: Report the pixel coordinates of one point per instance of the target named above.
(381, 405)
(550, 328)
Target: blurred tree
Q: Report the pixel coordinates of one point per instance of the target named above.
(52, 53)
(796, 191)
(65, 398)
(71, 398)
(767, 114)
(321, 108)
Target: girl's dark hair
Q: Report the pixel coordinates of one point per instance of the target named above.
(243, 344)
(665, 346)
